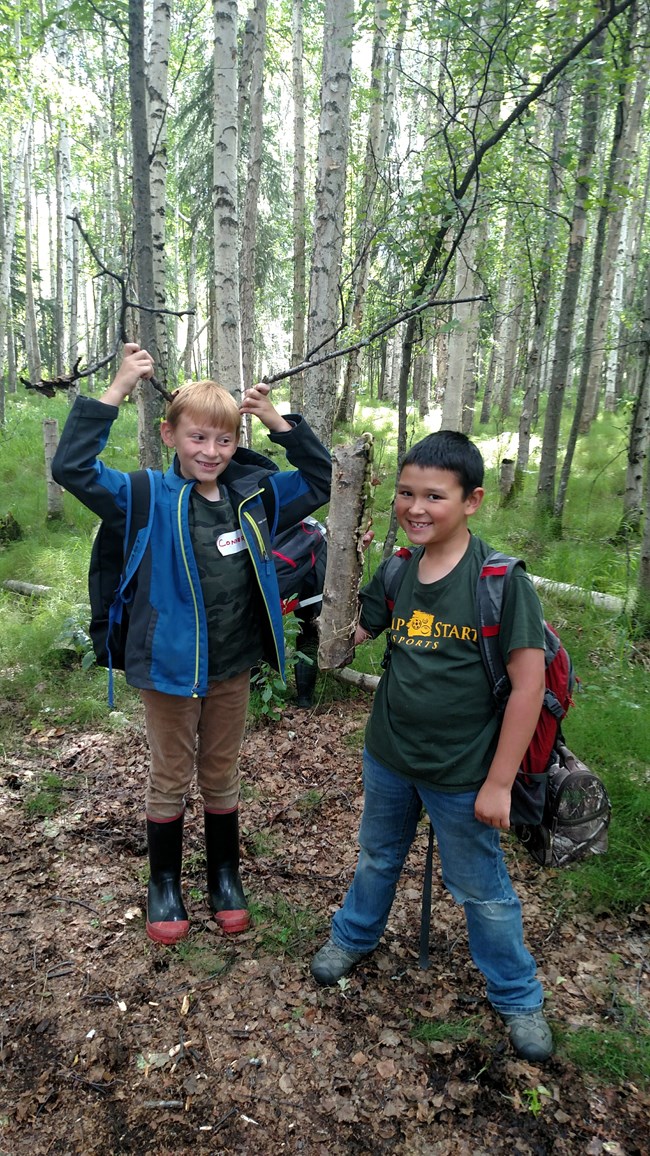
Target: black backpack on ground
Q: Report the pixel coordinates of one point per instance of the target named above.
(300, 559)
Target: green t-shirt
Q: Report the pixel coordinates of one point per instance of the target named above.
(228, 585)
(433, 717)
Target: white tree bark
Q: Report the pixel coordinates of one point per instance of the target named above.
(383, 76)
(148, 401)
(452, 409)
(249, 223)
(604, 324)
(299, 210)
(157, 103)
(10, 234)
(54, 491)
(31, 329)
(226, 320)
(350, 488)
(329, 212)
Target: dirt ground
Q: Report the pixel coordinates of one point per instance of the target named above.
(112, 1044)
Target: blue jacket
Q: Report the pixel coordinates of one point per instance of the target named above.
(167, 644)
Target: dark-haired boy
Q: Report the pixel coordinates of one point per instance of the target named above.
(433, 738)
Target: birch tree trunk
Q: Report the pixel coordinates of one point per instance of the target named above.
(542, 297)
(350, 488)
(643, 606)
(639, 438)
(299, 208)
(74, 311)
(383, 77)
(10, 235)
(31, 328)
(461, 340)
(148, 402)
(511, 349)
(226, 321)
(54, 491)
(192, 307)
(567, 308)
(249, 224)
(623, 153)
(637, 210)
(157, 111)
(329, 212)
(60, 343)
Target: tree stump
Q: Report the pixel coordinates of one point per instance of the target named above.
(506, 480)
(350, 489)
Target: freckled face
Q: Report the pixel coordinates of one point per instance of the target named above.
(203, 451)
(430, 505)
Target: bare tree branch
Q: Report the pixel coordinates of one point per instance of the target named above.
(48, 386)
(413, 311)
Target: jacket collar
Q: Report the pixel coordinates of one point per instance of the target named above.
(245, 472)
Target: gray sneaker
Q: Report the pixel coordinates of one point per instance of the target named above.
(331, 963)
(530, 1036)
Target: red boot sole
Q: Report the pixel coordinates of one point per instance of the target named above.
(233, 921)
(168, 933)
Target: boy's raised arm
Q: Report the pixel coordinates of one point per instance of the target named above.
(136, 364)
(256, 401)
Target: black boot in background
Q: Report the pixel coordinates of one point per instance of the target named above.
(225, 891)
(306, 673)
(167, 920)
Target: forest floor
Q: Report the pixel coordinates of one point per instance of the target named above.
(112, 1044)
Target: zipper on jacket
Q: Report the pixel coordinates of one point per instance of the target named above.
(268, 563)
(261, 545)
(194, 599)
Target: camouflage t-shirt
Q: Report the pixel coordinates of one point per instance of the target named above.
(229, 587)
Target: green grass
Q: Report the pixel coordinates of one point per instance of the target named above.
(47, 799)
(612, 1053)
(438, 1031)
(284, 929)
(201, 957)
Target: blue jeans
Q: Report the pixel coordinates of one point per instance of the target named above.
(473, 871)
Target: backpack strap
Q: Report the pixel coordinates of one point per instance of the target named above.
(491, 592)
(392, 577)
(139, 518)
(140, 494)
(393, 573)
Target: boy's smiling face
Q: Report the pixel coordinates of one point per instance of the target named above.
(431, 508)
(203, 451)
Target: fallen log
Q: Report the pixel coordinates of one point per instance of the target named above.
(579, 594)
(367, 682)
(27, 588)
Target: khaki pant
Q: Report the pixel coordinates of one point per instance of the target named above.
(206, 732)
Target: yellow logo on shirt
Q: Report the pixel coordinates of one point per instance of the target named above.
(423, 626)
(420, 624)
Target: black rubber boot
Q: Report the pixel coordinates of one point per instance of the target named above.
(306, 673)
(167, 920)
(225, 891)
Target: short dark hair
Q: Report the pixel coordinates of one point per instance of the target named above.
(449, 450)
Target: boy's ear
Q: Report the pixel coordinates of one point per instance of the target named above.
(474, 500)
(167, 434)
